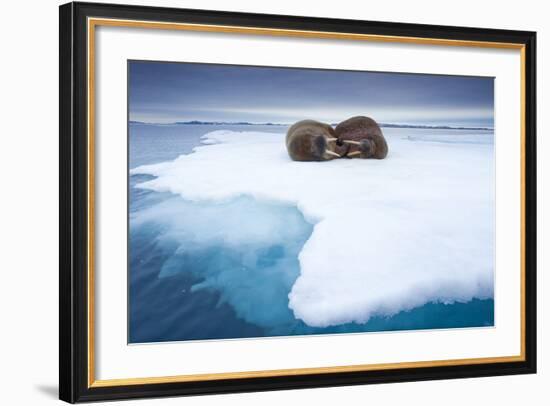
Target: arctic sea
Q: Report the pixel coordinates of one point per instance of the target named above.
(224, 268)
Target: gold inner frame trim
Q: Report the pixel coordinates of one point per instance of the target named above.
(94, 22)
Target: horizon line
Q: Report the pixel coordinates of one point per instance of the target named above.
(386, 125)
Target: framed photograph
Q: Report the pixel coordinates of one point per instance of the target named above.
(256, 202)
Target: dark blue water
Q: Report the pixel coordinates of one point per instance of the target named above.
(150, 144)
(205, 271)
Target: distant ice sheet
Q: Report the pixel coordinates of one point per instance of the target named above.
(388, 235)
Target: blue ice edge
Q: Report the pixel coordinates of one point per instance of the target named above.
(223, 270)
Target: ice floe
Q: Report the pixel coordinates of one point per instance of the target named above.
(389, 235)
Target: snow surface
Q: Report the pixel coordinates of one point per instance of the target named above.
(389, 235)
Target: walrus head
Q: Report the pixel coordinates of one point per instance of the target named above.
(321, 147)
(310, 140)
(363, 138)
(363, 149)
(312, 147)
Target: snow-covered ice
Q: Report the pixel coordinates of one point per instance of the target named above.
(388, 235)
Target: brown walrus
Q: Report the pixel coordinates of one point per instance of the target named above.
(363, 136)
(310, 140)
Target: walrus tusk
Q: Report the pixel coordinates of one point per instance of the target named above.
(332, 139)
(354, 153)
(351, 142)
(333, 154)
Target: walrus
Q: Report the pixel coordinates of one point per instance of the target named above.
(363, 136)
(310, 140)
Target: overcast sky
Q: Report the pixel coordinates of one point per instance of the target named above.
(164, 92)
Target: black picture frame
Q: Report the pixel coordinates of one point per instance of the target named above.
(74, 385)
